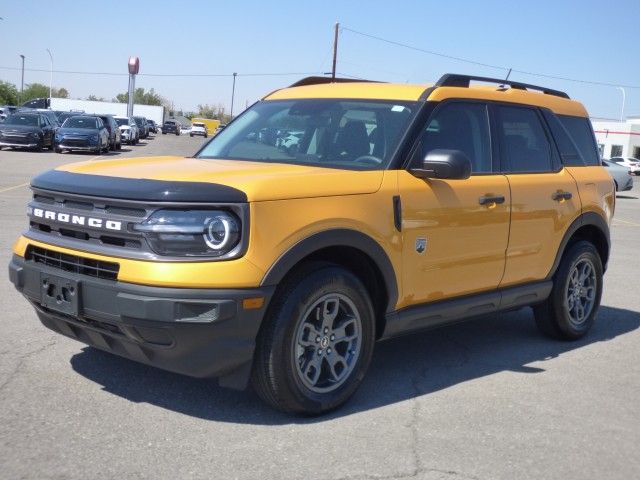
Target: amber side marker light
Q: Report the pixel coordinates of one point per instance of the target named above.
(252, 303)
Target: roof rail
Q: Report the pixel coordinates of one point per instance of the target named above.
(324, 80)
(456, 80)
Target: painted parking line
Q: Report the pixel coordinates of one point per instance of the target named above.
(14, 187)
(626, 222)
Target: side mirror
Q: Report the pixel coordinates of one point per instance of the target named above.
(444, 164)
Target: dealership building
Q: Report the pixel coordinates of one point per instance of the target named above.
(618, 139)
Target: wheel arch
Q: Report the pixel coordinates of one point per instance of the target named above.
(353, 250)
(591, 227)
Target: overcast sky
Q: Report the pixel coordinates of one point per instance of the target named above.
(583, 40)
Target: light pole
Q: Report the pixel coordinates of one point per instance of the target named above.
(233, 93)
(22, 81)
(623, 100)
(50, 75)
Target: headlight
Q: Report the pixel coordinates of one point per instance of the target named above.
(192, 233)
(34, 135)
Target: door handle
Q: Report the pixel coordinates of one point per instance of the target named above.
(488, 199)
(558, 196)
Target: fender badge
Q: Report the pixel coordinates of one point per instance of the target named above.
(421, 244)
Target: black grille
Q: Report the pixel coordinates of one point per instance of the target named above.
(127, 212)
(73, 263)
(75, 142)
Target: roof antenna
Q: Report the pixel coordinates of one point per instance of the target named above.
(503, 86)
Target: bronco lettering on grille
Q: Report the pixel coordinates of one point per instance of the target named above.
(76, 219)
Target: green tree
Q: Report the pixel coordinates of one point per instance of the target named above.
(96, 99)
(8, 94)
(142, 98)
(38, 90)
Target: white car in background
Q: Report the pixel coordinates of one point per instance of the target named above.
(633, 164)
(198, 129)
(128, 130)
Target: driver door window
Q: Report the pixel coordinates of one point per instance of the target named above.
(460, 126)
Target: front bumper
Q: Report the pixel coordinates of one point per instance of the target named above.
(85, 148)
(4, 143)
(195, 332)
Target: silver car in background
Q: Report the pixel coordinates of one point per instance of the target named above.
(621, 175)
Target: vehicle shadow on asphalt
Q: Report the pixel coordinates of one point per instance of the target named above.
(402, 369)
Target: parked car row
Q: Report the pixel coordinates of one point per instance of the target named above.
(37, 129)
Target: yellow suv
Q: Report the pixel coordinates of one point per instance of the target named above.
(327, 216)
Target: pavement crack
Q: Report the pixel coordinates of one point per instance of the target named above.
(21, 361)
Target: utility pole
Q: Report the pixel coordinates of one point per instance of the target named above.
(335, 51)
(22, 81)
(50, 76)
(233, 93)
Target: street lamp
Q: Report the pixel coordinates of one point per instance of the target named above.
(22, 81)
(233, 93)
(51, 75)
(623, 99)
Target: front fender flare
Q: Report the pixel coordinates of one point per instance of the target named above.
(337, 238)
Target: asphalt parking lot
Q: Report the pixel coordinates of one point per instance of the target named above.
(489, 399)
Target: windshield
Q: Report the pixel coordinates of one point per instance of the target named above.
(351, 134)
(122, 121)
(138, 121)
(28, 120)
(201, 125)
(80, 122)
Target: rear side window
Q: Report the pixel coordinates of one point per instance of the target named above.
(460, 126)
(524, 142)
(580, 130)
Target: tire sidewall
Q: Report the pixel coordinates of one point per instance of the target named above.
(580, 251)
(306, 293)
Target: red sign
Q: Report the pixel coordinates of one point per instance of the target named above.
(134, 65)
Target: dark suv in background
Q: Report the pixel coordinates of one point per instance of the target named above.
(171, 126)
(141, 122)
(115, 138)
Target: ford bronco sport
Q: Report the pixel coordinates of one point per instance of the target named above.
(401, 207)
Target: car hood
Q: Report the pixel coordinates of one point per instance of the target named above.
(83, 132)
(259, 181)
(18, 129)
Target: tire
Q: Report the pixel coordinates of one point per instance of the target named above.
(177, 132)
(616, 185)
(58, 150)
(568, 314)
(191, 135)
(119, 145)
(280, 375)
(164, 133)
(39, 146)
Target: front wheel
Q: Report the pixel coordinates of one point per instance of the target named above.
(571, 309)
(317, 341)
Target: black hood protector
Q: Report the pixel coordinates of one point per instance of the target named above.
(137, 189)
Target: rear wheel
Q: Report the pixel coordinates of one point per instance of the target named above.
(570, 310)
(317, 341)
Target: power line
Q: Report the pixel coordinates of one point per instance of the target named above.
(250, 74)
(488, 65)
